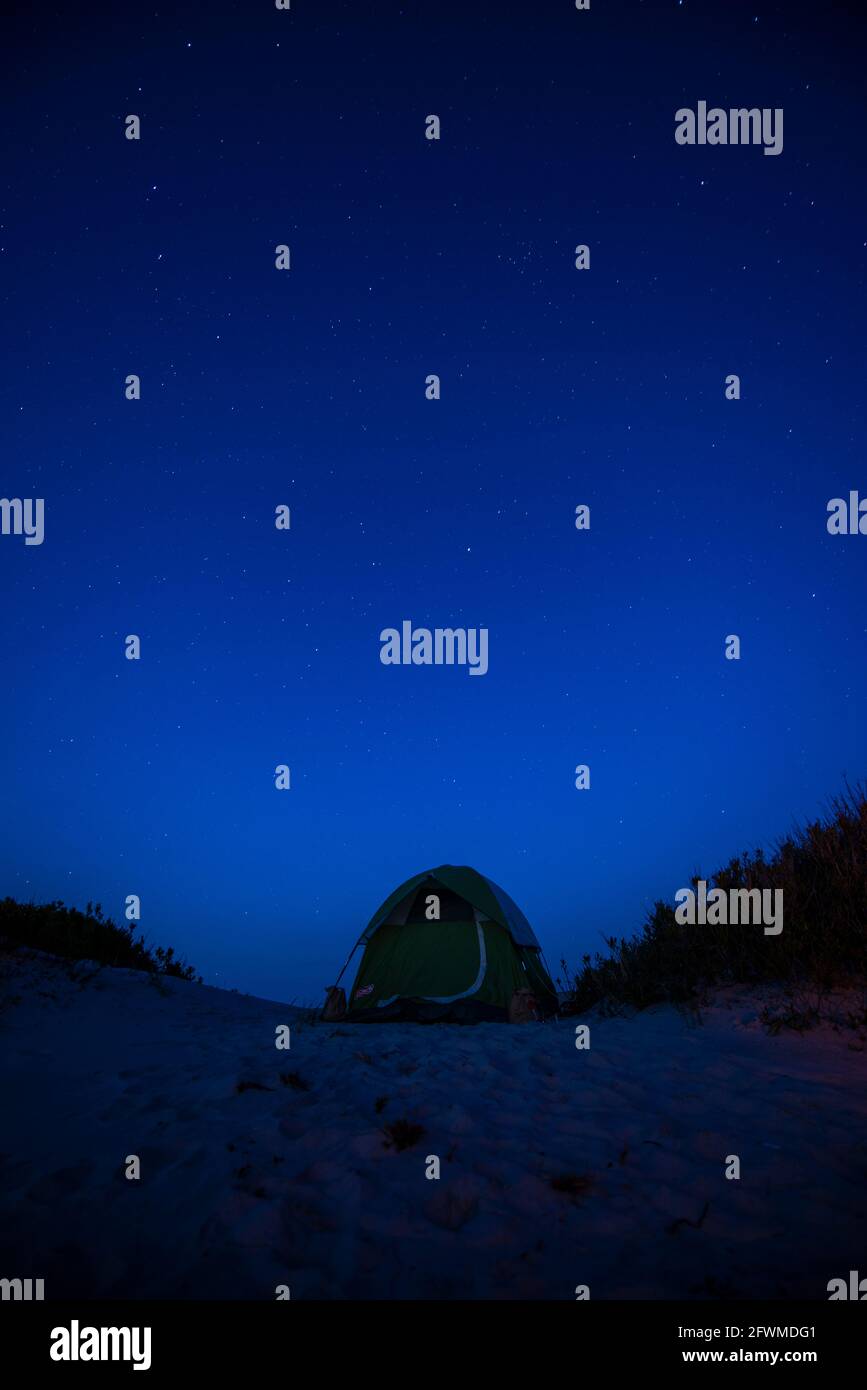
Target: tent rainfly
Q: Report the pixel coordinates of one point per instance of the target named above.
(448, 944)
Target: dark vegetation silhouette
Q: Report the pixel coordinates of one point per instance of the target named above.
(822, 870)
(89, 935)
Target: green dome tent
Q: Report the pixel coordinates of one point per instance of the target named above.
(449, 944)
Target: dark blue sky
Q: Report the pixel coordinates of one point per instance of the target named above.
(306, 387)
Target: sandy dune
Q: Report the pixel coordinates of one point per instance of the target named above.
(559, 1167)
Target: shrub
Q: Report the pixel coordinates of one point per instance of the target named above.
(822, 870)
(64, 931)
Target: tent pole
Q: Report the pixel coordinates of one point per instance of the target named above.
(346, 962)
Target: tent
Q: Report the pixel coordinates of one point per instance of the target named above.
(449, 944)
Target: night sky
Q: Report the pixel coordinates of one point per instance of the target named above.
(306, 388)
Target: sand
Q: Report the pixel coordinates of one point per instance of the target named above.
(559, 1167)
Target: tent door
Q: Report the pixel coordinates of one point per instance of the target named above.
(474, 987)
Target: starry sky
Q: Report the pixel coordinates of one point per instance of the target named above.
(306, 388)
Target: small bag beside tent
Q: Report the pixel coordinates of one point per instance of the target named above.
(450, 944)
